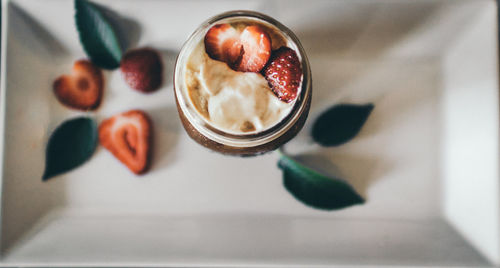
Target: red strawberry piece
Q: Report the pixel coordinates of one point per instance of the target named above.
(221, 43)
(283, 72)
(245, 51)
(142, 69)
(128, 136)
(257, 49)
(82, 89)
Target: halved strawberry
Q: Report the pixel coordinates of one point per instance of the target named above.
(128, 136)
(283, 72)
(257, 49)
(221, 43)
(245, 51)
(142, 69)
(82, 89)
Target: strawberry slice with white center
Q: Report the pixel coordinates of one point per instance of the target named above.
(128, 136)
(247, 50)
(256, 49)
(82, 90)
(221, 43)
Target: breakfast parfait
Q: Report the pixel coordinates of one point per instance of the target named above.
(242, 84)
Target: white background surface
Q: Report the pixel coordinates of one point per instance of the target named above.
(198, 207)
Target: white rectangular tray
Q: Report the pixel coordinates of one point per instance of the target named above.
(426, 160)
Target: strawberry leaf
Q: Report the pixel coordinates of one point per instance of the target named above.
(69, 146)
(97, 36)
(340, 124)
(314, 189)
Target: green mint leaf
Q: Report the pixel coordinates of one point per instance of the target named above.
(97, 36)
(69, 146)
(314, 189)
(340, 123)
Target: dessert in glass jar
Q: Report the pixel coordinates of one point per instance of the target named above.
(242, 83)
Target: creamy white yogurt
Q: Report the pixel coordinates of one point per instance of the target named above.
(235, 102)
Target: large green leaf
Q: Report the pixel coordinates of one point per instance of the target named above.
(340, 123)
(71, 144)
(315, 189)
(97, 36)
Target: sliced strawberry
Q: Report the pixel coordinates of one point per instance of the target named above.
(82, 89)
(221, 43)
(142, 69)
(128, 136)
(283, 72)
(245, 51)
(257, 49)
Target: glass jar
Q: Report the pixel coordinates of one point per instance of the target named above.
(244, 144)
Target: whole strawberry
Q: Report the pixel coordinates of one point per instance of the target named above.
(142, 69)
(283, 72)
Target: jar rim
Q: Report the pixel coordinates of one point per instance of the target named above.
(245, 139)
